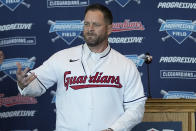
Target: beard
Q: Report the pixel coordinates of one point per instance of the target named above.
(93, 39)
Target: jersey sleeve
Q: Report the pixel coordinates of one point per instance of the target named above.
(34, 89)
(46, 73)
(134, 90)
(134, 100)
(46, 77)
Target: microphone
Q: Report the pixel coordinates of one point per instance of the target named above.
(147, 57)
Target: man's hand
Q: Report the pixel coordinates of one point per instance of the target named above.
(22, 77)
(1, 57)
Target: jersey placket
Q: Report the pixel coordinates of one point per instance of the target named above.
(91, 68)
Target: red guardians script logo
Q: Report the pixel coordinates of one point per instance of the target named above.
(16, 100)
(97, 80)
(126, 26)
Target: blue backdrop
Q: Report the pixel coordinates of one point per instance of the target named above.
(31, 31)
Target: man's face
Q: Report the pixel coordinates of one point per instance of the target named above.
(96, 31)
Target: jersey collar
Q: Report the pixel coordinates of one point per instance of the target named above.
(87, 52)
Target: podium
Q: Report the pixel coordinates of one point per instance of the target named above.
(165, 110)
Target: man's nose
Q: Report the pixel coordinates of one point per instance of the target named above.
(91, 27)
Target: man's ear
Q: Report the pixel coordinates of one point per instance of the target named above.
(109, 28)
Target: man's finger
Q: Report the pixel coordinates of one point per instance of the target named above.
(24, 81)
(25, 71)
(19, 68)
(30, 78)
(1, 56)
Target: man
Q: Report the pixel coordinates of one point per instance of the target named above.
(98, 89)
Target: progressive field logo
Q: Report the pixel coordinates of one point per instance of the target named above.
(122, 3)
(9, 68)
(179, 30)
(66, 30)
(136, 59)
(13, 4)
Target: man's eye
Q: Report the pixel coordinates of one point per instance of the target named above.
(96, 25)
(86, 24)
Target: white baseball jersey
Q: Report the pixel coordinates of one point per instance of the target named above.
(95, 91)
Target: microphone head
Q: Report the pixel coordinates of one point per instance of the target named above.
(147, 53)
(148, 58)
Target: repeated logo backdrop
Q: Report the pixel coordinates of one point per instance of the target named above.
(30, 32)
